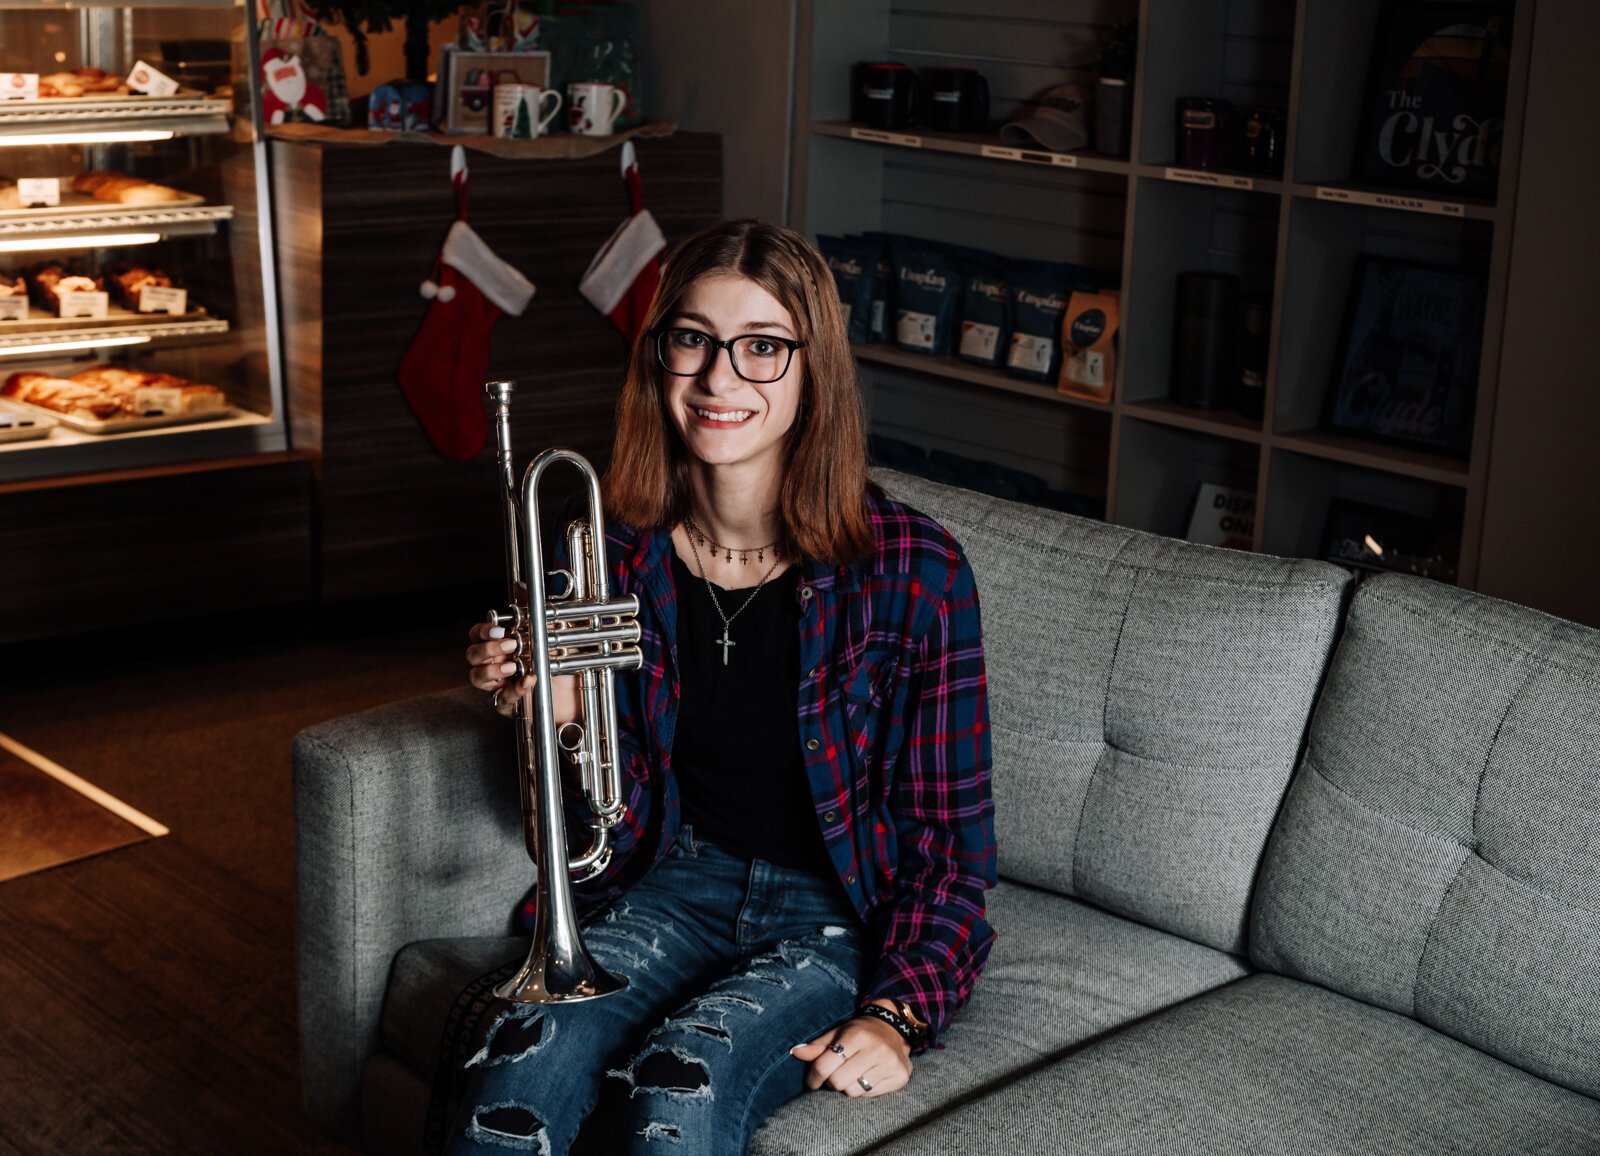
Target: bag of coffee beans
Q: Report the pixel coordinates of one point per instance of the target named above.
(927, 297)
(1089, 338)
(1039, 293)
(854, 262)
(985, 315)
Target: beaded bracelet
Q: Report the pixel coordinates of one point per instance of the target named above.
(893, 1019)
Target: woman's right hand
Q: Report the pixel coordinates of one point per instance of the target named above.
(490, 668)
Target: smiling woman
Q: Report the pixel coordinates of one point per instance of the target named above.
(808, 831)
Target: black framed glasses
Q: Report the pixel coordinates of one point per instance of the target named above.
(756, 357)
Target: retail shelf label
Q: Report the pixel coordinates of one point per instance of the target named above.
(1031, 156)
(13, 308)
(881, 137)
(1392, 201)
(1215, 180)
(163, 299)
(151, 81)
(19, 86)
(39, 192)
(92, 303)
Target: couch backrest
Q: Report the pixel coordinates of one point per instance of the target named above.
(1439, 851)
(1148, 699)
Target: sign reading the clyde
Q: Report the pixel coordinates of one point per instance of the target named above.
(1435, 101)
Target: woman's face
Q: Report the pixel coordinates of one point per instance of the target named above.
(723, 419)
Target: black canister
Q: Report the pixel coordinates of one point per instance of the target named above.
(1205, 341)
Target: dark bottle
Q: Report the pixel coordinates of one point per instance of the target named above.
(1205, 341)
(1253, 356)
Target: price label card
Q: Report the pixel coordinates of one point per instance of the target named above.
(13, 308)
(19, 86)
(1031, 156)
(1392, 201)
(1216, 180)
(151, 81)
(163, 299)
(894, 138)
(91, 303)
(39, 192)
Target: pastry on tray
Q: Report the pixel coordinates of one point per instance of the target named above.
(13, 285)
(121, 189)
(147, 394)
(81, 82)
(51, 279)
(72, 398)
(128, 282)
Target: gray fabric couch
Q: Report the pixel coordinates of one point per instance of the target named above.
(1283, 870)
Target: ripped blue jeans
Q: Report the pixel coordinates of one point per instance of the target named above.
(729, 965)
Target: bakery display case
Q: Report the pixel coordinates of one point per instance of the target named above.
(137, 312)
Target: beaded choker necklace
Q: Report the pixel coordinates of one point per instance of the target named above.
(696, 534)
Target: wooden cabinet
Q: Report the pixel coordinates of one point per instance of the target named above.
(1296, 237)
(359, 227)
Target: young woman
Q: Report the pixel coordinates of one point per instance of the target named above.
(797, 892)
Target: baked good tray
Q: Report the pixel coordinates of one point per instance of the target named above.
(118, 425)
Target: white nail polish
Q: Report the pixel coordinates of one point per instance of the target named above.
(497, 632)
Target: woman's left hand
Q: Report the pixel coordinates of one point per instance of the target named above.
(862, 1057)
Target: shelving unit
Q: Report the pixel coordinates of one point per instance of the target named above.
(1144, 219)
(159, 514)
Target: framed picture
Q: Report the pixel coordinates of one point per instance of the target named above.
(1222, 516)
(1368, 539)
(1406, 371)
(467, 80)
(1434, 105)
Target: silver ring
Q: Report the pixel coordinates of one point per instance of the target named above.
(862, 1080)
(836, 1049)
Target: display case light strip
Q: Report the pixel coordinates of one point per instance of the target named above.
(58, 346)
(94, 136)
(85, 241)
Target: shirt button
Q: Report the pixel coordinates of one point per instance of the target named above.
(850, 878)
(829, 816)
(812, 673)
(812, 744)
(805, 594)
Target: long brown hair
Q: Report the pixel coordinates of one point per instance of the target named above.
(823, 498)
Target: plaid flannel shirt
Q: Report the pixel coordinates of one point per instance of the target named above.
(894, 721)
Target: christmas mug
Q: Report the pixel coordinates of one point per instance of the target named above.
(519, 110)
(593, 107)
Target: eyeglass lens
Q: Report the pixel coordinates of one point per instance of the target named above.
(688, 353)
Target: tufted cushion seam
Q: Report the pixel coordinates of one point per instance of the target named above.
(1439, 621)
(1488, 755)
(1088, 788)
(1427, 940)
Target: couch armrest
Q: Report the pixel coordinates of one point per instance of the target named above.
(406, 827)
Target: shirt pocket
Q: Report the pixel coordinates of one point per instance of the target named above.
(870, 692)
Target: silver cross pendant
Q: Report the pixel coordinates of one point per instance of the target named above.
(725, 643)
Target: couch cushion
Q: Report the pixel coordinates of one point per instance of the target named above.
(1060, 972)
(1271, 1065)
(1439, 853)
(1148, 699)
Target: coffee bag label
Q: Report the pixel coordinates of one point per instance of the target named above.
(1031, 353)
(916, 329)
(978, 341)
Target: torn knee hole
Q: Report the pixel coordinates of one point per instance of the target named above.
(516, 1034)
(509, 1126)
(655, 1130)
(666, 1072)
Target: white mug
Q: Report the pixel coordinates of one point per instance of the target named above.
(587, 105)
(519, 110)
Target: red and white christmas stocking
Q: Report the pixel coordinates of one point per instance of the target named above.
(621, 280)
(442, 371)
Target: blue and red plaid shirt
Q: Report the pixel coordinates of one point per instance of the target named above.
(894, 723)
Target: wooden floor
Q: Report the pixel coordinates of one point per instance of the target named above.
(147, 995)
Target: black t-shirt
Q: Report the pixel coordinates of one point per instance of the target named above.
(736, 754)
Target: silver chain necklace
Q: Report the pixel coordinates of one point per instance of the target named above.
(727, 619)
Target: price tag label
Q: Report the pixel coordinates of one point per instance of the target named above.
(13, 308)
(90, 303)
(19, 86)
(1215, 180)
(163, 299)
(880, 137)
(1392, 201)
(1031, 156)
(39, 192)
(151, 81)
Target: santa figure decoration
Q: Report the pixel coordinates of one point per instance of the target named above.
(287, 94)
(443, 371)
(621, 280)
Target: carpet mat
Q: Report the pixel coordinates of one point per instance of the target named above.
(49, 816)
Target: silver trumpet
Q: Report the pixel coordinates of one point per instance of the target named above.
(579, 630)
